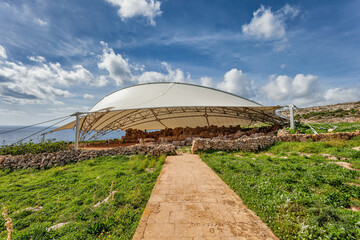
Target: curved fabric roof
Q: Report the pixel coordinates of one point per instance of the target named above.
(158, 95)
(170, 105)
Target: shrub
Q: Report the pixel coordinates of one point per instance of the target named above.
(33, 148)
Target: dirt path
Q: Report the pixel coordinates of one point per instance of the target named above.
(190, 201)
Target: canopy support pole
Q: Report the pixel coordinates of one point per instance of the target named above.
(292, 122)
(43, 137)
(77, 130)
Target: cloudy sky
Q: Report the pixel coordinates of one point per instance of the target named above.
(59, 57)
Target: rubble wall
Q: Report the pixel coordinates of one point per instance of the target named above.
(183, 134)
(47, 160)
(257, 143)
(246, 144)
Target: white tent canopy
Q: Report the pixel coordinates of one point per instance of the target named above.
(170, 105)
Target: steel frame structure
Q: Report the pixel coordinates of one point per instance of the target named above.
(93, 123)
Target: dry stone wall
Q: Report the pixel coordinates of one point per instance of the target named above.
(245, 144)
(184, 136)
(317, 137)
(47, 160)
(257, 143)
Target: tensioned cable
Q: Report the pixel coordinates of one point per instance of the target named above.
(42, 130)
(334, 127)
(32, 125)
(312, 129)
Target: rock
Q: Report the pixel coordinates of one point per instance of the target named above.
(188, 141)
(329, 156)
(105, 200)
(238, 134)
(56, 226)
(282, 132)
(32, 209)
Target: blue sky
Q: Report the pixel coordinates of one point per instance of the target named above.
(59, 57)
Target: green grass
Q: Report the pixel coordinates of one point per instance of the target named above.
(185, 149)
(30, 147)
(79, 187)
(339, 113)
(298, 197)
(323, 127)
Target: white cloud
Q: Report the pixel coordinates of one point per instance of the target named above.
(282, 66)
(268, 25)
(302, 89)
(288, 11)
(206, 81)
(11, 112)
(122, 72)
(132, 8)
(117, 67)
(3, 52)
(172, 75)
(60, 111)
(101, 81)
(305, 90)
(40, 84)
(235, 81)
(39, 59)
(67, 78)
(88, 96)
(40, 22)
(280, 45)
(341, 95)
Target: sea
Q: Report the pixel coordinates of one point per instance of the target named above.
(16, 134)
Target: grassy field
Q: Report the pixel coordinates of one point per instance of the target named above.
(68, 195)
(338, 113)
(295, 189)
(324, 127)
(34, 148)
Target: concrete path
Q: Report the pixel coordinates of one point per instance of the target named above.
(190, 201)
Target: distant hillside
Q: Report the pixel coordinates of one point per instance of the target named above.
(342, 112)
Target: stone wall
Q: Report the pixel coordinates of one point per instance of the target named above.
(317, 137)
(245, 144)
(257, 143)
(47, 160)
(188, 134)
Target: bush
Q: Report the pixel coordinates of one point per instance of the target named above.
(34, 148)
